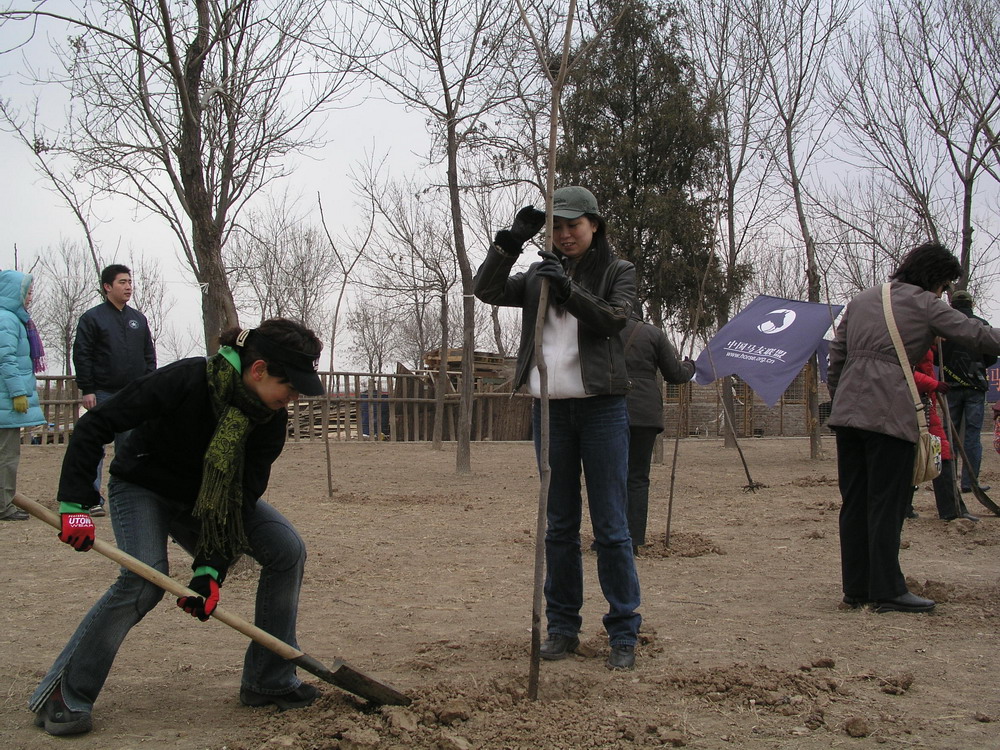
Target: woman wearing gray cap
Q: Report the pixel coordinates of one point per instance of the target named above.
(204, 436)
(592, 293)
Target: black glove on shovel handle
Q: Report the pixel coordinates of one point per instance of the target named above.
(341, 674)
(203, 605)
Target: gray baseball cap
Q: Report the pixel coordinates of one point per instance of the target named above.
(961, 298)
(573, 202)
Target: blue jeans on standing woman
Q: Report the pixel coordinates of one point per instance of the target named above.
(592, 432)
(142, 522)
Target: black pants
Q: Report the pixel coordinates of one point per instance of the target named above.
(640, 454)
(949, 502)
(875, 473)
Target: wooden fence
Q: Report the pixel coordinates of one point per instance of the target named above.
(402, 406)
(358, 406)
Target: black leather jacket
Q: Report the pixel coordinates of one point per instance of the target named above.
(964, 368)
(601, 315)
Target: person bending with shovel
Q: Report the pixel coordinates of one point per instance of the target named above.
(593, 293)
(205, 433)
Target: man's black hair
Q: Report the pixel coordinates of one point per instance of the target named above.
(110, 273)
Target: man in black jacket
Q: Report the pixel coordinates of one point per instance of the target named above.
(965, 373)
(113, 347)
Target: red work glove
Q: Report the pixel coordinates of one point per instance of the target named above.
(77, 527)
(207, 587)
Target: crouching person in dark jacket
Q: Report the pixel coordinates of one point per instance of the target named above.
(204, 436)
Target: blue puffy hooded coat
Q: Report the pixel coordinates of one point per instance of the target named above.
(17, 377)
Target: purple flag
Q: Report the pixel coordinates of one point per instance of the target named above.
(767, 344)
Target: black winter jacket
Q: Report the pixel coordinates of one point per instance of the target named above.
(601, 315)
(112, 348)
(172, 421)
(648, 351)
(964, 368)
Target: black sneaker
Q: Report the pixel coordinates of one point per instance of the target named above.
(98, 511)
(15, 514)
(59, 720)
(558, 646)
(302, 696)
(621, 657)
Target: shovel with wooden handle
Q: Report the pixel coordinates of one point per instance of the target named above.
(341, 674)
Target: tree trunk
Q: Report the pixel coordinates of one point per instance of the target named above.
(965, 259)
(729, 412)
(813, 282)
(441, 379)
(463, 456)
(218, 307)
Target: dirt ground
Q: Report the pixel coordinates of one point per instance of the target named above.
(423, 578)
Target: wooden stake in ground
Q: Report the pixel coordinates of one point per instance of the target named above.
(342, 674)
(543, 304)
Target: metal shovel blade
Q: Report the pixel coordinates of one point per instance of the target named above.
(353, 680)
(343, 675)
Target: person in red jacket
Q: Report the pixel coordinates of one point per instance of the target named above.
(949, 501)
(996, 426)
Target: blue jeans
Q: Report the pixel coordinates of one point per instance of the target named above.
(965, 405)
(142, 522)
(101, 397)
(594, 432)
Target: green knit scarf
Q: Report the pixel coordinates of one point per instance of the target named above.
(220, 498)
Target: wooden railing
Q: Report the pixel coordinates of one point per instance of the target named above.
(358, 406)
(401, 407)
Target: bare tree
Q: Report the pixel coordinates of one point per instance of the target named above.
(734, 76)
(149, 294)
(373, 325)
(282, 266)
(65, 288)
(347, 258)
(189, 109)
(447, 59)
(794, 39)
(918, 95)
(411, 262)
(173, 344)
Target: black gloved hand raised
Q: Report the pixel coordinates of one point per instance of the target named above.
(527, 223)
(551, 269)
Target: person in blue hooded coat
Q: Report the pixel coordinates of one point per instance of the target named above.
(21, 356)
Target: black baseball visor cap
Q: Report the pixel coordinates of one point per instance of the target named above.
(301, 369)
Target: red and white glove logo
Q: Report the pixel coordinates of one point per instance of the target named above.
(78, 531)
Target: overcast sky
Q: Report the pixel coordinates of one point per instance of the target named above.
(36, 218)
